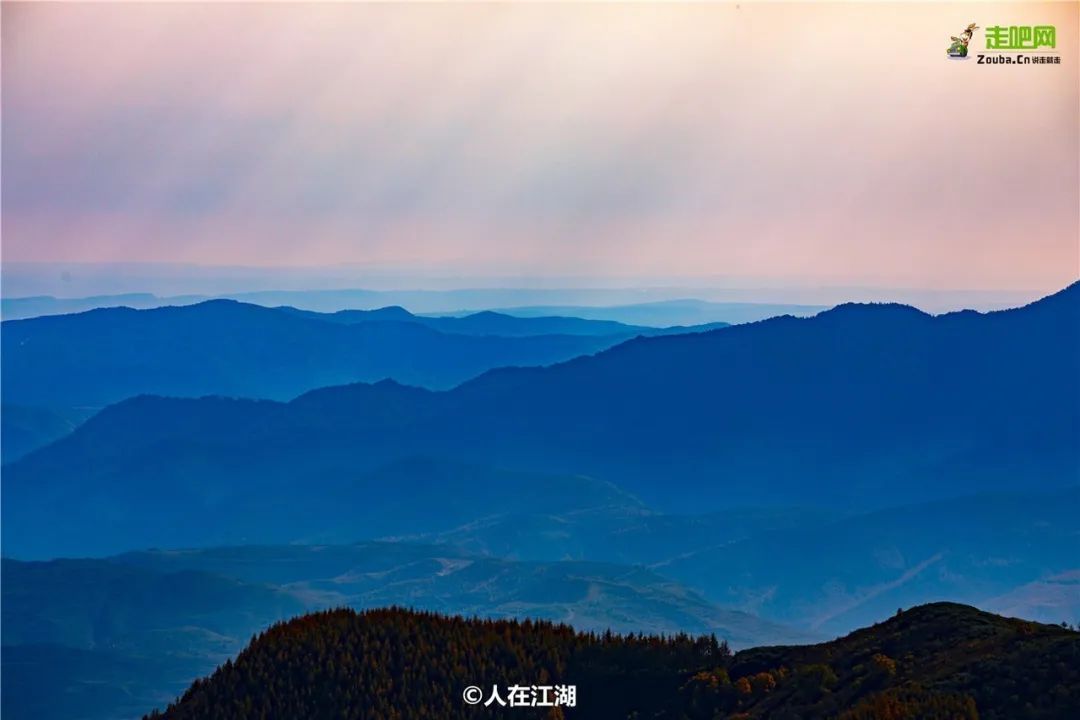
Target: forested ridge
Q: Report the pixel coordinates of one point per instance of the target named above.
(941, 661)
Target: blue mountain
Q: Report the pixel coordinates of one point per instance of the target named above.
(862, 407)
(228, 348)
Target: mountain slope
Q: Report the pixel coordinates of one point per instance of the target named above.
(97, 639)
(25, 428)
(972, 549)
(57, 682)
(100, 604)
(857, 401)
(935, 661)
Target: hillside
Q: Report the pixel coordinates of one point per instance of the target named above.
(28, 428)
(105, 640)
(934, 661)
(99, 604)
(849, 572)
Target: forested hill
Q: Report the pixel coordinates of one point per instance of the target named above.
(935, 661)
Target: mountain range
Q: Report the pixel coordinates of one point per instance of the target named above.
(778, 481)
(228, 348)
(65, 367)
(880, 406)
(659, 307)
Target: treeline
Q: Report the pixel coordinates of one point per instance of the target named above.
(937, 661)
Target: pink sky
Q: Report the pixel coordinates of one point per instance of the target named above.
(811, 142)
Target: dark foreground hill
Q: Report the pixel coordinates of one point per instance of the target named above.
(939, 661)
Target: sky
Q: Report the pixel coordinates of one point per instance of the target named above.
(785, 144)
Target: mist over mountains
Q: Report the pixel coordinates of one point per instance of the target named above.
(659, 307)
(785, 480)
(704, 357)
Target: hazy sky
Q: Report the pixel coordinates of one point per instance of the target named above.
(827, 143)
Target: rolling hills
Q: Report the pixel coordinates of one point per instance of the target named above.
(194, 505)
(116, 637)
(855, 569)
(96, 639)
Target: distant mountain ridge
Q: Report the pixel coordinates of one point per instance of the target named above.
(668, 312)
(226, 347)
(229, 348)
(487, 322)
(650, 306)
